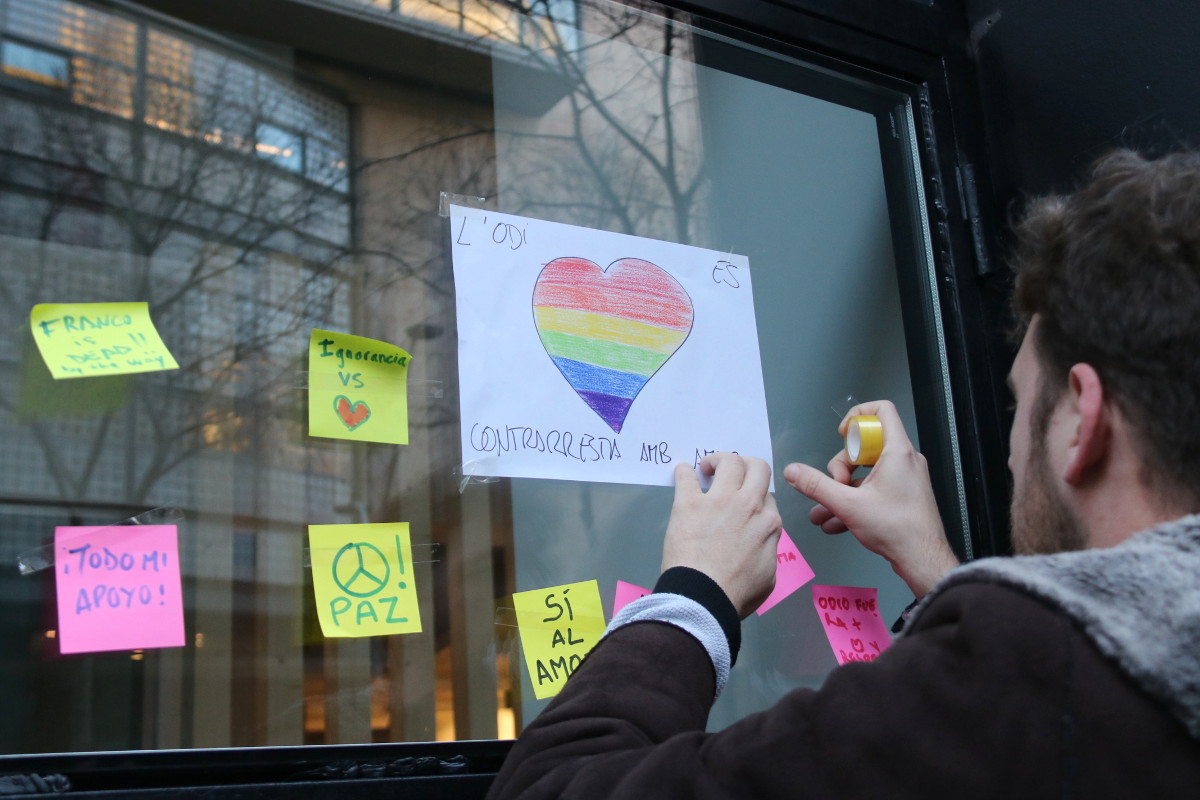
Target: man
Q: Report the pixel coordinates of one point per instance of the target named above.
(1072, 670)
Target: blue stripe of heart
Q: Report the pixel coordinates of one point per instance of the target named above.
(590, 378)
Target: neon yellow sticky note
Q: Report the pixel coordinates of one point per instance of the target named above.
(363, 579)
(357, 388)
(79, 340)
(558, 625)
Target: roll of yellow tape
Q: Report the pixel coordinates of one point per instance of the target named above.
(864, 440)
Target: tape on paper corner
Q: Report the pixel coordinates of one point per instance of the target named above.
(448, 199)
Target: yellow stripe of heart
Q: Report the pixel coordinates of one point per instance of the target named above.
(608, 329)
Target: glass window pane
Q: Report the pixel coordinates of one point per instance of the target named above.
(250, 193)
(34, 64)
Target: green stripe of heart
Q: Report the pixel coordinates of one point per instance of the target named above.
(611, 355)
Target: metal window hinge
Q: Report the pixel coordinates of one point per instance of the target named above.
(969, 197)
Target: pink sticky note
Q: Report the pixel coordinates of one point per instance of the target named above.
(626, 594)
(791, 572)
(118, 588)
(850, 616)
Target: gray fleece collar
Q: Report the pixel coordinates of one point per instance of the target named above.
(1139, 602)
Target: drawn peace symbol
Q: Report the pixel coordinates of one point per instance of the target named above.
(365, 574)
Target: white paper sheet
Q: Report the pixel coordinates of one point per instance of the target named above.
(559, 327)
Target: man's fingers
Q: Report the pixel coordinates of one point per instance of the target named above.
(826, 520)
(728, 471)
(687, 483)
(834, 525)
(815, 485)
(893, 428)
(758, 475)
(772, 510)
(840, 468)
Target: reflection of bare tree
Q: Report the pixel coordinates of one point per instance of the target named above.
(169, 173)
(606, 135)
(613, 140)
(185, 214)
(626, 131)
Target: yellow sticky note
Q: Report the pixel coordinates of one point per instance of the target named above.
(558, 625)
(357, 388)
(79, 340)
(363, 579)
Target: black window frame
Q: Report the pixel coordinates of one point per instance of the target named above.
(917, 49)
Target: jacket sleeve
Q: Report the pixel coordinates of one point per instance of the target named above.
(974, 688)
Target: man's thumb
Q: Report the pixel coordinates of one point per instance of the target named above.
(815, 485)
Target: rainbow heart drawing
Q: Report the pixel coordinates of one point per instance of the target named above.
(609, 330)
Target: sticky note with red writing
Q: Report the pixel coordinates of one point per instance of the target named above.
(118, 588)
(850, 616)
(626, 594)
(791, 572)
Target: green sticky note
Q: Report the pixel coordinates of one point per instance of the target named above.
(363, 579)
(357, 388)
(80, 340)
(558, 626)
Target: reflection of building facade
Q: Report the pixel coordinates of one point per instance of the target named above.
(142, 163)
(250, 198)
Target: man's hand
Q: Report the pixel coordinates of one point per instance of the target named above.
(892, 511)
(731, 532)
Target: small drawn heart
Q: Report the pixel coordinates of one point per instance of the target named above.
(610, 330)
(351, 414)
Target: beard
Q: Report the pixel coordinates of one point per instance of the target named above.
(1041, 520)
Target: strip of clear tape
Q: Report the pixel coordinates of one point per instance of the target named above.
(40, 558)
(447, 199)
(421, 554)
(843, 406)
(464, 475)
(416, 389)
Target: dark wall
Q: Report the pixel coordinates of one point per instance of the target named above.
(1062, 81)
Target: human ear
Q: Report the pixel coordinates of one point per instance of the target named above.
(1093, 427)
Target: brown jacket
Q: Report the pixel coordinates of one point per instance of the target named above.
(992, 692)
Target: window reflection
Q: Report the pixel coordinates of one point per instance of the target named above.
(249, 199)
(35, 64)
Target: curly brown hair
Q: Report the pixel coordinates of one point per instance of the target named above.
(1113, 273)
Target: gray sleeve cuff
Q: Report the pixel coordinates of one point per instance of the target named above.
(687, 615)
